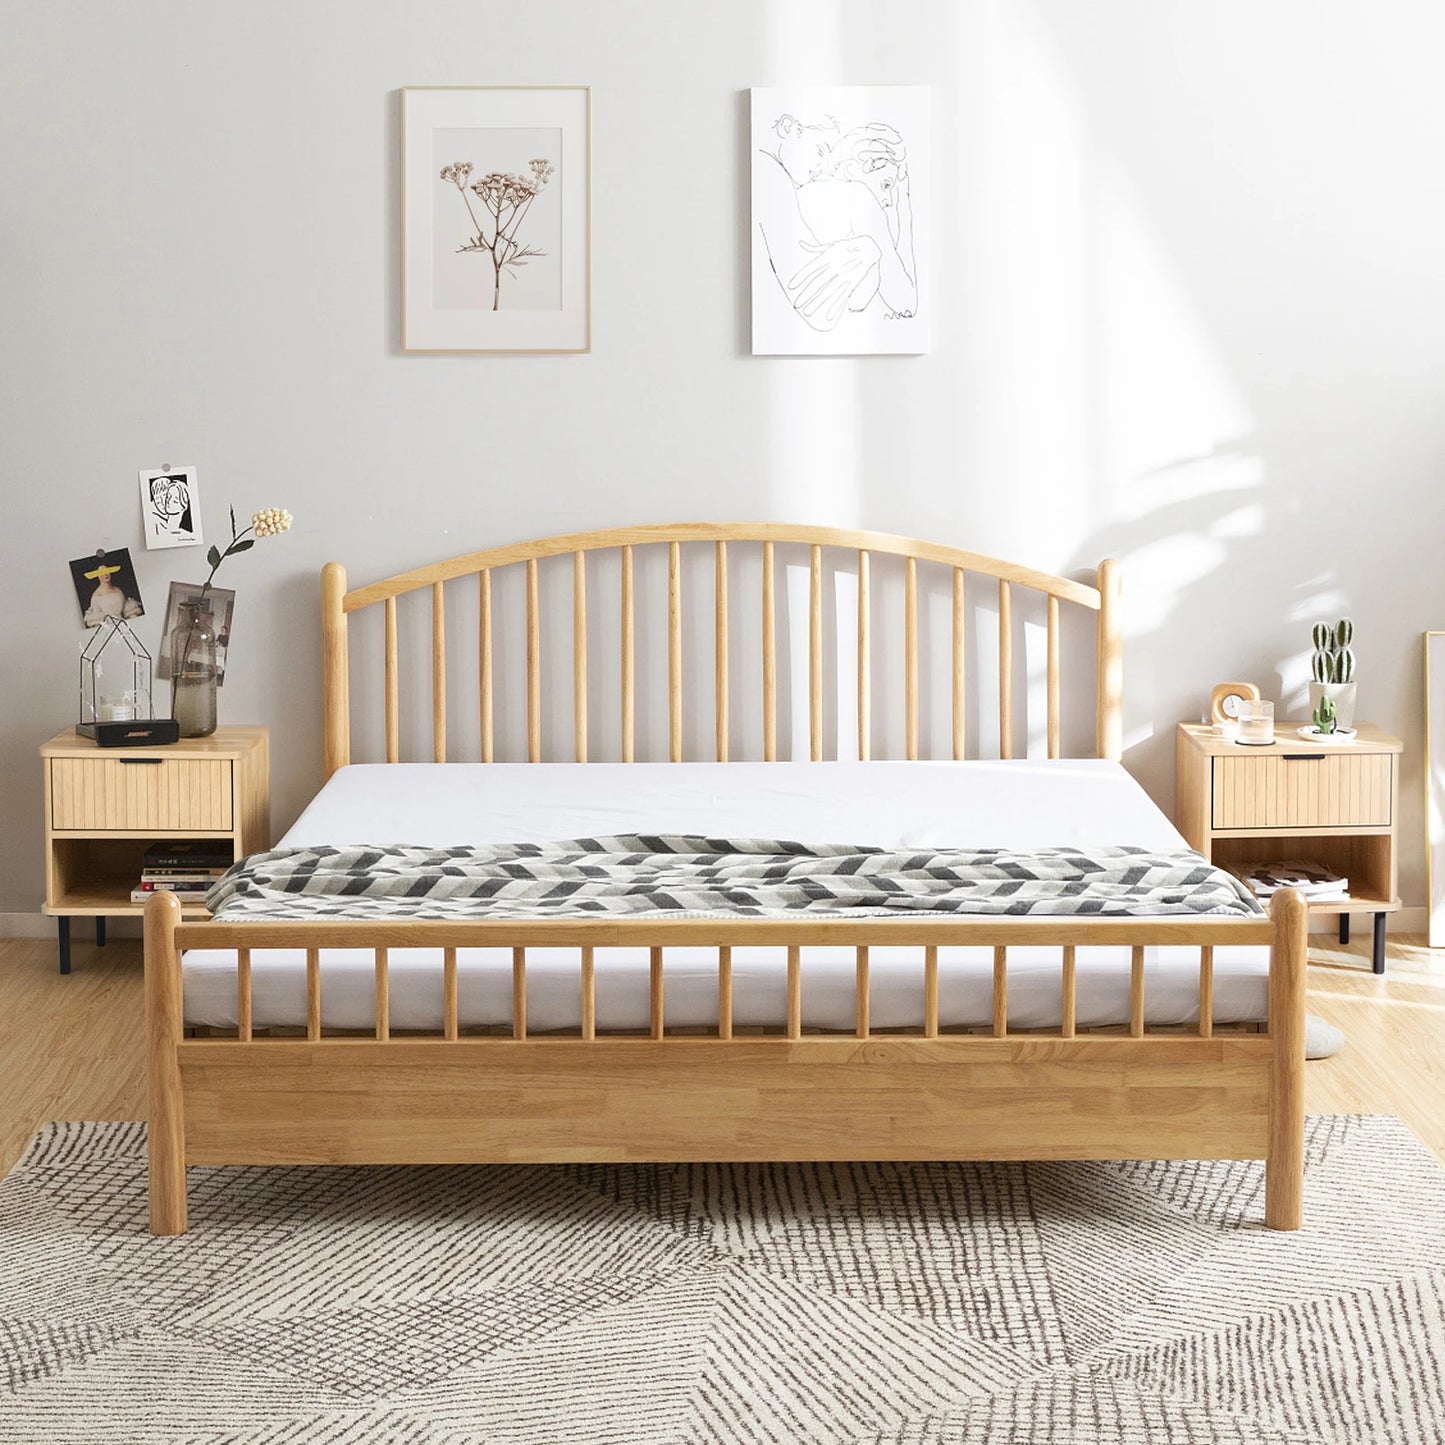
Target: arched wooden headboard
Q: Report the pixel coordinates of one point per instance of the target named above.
(337, 604)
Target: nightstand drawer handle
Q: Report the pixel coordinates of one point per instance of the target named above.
(136, 762)
(1288, 757)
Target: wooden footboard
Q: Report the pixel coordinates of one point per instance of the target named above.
(1139, 1093)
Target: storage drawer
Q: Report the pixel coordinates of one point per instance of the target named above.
(1303, 790)
(119, 794)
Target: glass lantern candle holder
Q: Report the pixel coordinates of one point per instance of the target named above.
(115, 677)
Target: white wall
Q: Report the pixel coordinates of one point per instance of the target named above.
(1191, 312)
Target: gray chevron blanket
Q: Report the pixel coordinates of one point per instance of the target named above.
(684, 875)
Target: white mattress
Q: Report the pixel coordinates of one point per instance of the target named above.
(1016, 804)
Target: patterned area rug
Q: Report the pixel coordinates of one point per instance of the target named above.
(1041, 1304)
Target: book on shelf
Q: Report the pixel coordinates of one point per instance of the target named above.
(193, 854)
(1318, 883)
(200, 883)
(187, 896)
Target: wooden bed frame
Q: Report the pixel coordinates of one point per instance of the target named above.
(1134, 1092)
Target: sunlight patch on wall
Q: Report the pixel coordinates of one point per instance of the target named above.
(1026, 287)
(814, 419)
(1174, 421)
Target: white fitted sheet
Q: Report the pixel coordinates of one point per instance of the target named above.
(1015, 804)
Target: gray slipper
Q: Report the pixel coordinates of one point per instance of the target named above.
(1322, 1040)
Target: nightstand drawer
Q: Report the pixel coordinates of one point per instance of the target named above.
(117, 794)
(1303, 790)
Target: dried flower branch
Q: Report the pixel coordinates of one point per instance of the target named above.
(506, 198)
(268, 522)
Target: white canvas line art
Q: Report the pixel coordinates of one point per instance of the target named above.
(839, 196)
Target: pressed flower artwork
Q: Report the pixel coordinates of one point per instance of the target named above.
(497, 219)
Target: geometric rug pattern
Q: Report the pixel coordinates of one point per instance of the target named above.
(852, 1304)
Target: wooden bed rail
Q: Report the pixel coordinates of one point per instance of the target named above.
(756, 932)
(587, 1028)
(338, 604)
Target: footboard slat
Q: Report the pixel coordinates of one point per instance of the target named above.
(861, 988)
(795, 992)
(1068, 1003)
(313, 993)
(243, 994)
(519, 993)
(1136, 992)
(1000, 992)
(724, 992)
(449, 993)
(930, 992)
(589, 994)
(383, 995)
(1206, 990)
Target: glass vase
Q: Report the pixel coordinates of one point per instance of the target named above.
(193, 671)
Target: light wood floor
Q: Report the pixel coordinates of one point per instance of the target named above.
(70, 1048)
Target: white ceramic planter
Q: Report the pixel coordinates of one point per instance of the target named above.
(1342, 694)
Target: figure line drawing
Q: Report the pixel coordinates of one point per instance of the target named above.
(839, 227)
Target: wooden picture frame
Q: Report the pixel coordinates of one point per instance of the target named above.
(497, 218)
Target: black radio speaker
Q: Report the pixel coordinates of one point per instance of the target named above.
(142, 732)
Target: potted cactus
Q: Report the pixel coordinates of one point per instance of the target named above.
(1326, 728)
(1332, 670)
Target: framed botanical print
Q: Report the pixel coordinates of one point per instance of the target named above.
(496, 218)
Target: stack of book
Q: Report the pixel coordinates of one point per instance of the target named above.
(1318, 883)
(184, 866)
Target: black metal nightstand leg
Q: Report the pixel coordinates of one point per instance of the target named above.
(1344, 928)
(100, 930)
(1379, 958)
(63, 927)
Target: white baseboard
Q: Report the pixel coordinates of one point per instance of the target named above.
(40, 925)
(26, 925)
(1406, 920)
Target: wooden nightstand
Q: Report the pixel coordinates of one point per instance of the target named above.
(103, 806)
(1334, 803)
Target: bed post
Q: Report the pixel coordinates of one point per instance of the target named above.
(166, 1118)
(335, 685)
(1285, 1164)
(1109, 683)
